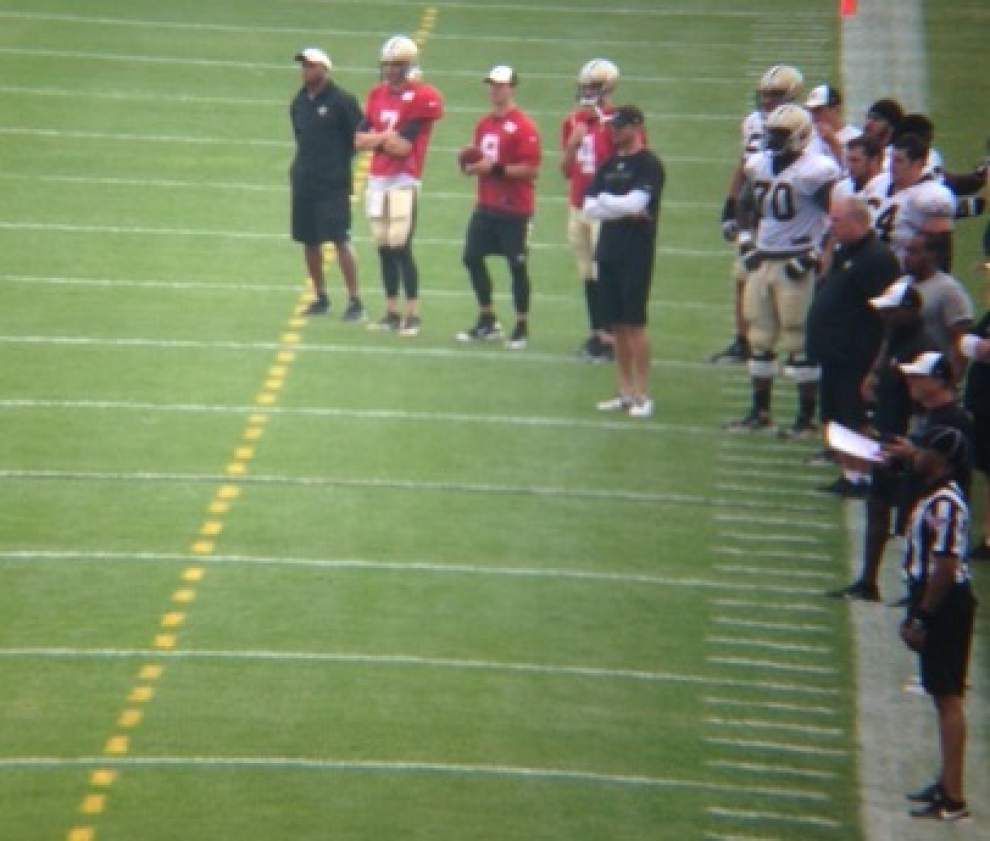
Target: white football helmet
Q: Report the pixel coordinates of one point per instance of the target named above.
(596, 80)
(782, 82)
(789, 129)
(399, 50)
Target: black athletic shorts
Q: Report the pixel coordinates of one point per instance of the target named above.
(945, 659)
(321, 216)
(496, 233)
(624, 289)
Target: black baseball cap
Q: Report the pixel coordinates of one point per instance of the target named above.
(627, 115)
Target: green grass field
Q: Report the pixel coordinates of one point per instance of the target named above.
(262, 579)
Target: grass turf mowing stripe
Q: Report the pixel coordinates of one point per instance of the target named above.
(399, 767)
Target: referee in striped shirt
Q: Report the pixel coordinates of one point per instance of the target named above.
(939, 624)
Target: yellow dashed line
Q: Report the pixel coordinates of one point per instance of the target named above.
(103, 778)
(141, 695)
(130, 718)
(117, 745)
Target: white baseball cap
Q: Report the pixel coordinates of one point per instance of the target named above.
(501, 74)
(892, 296)
(314, 55)
(931, 363)
(823, 96)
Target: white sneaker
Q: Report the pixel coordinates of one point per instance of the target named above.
(642, 409)
(615, 404)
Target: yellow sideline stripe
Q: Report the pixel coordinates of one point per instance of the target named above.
(142, 692)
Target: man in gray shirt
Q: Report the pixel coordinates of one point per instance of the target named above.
(946, 308)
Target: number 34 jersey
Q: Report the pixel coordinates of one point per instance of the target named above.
(792, 203)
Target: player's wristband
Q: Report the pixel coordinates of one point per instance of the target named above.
(498, 170)
(969, 345)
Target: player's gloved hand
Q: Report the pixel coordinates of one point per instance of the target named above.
(730, 230)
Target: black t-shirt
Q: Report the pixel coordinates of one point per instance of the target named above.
(978, 379)
(629, 238)
(324, 128)
(842, 327)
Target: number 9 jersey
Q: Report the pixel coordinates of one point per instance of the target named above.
(792, 204)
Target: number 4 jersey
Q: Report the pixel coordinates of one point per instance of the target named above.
(596, 148)
(792, 203)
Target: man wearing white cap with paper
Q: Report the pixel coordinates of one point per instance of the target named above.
(324, 120)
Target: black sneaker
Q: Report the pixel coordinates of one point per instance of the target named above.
(753, 422)
(928, 794)
(519, 337)
(595, 350)
(319, 306)
(486, 330)
(737, 351)
(389, 323)
(942, 809)
(858, 590)
(354, 311)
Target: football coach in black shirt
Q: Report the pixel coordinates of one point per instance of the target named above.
(324, 121)
(625, 196)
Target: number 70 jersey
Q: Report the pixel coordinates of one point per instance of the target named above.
(792, 204)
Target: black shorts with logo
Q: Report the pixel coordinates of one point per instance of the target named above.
(945, 658)
(320, 216)
(496, 233)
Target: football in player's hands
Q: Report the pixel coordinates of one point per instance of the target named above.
(467, 156)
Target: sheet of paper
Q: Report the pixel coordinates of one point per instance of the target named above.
(845, 440)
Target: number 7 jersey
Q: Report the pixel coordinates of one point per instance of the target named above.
(791, 204)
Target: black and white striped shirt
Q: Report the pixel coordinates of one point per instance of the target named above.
(939, 526)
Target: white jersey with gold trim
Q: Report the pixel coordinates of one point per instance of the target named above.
(790, 204)
(754, 132)
(904, 213)
(873, 192)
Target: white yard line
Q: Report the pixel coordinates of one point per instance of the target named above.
(761, 768)
(775, 573)
(778, 747)
(402, 766)
(772, 554)
(770, 645)
(776, 706)
(401, 567)
(793, 607)
(288, 657)
(771, 665)
(772, 817)
(769, 724)
(386, 415)
(764, 625)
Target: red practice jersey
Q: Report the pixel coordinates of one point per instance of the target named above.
(595, 149)
(510, 139)
(389, 109)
